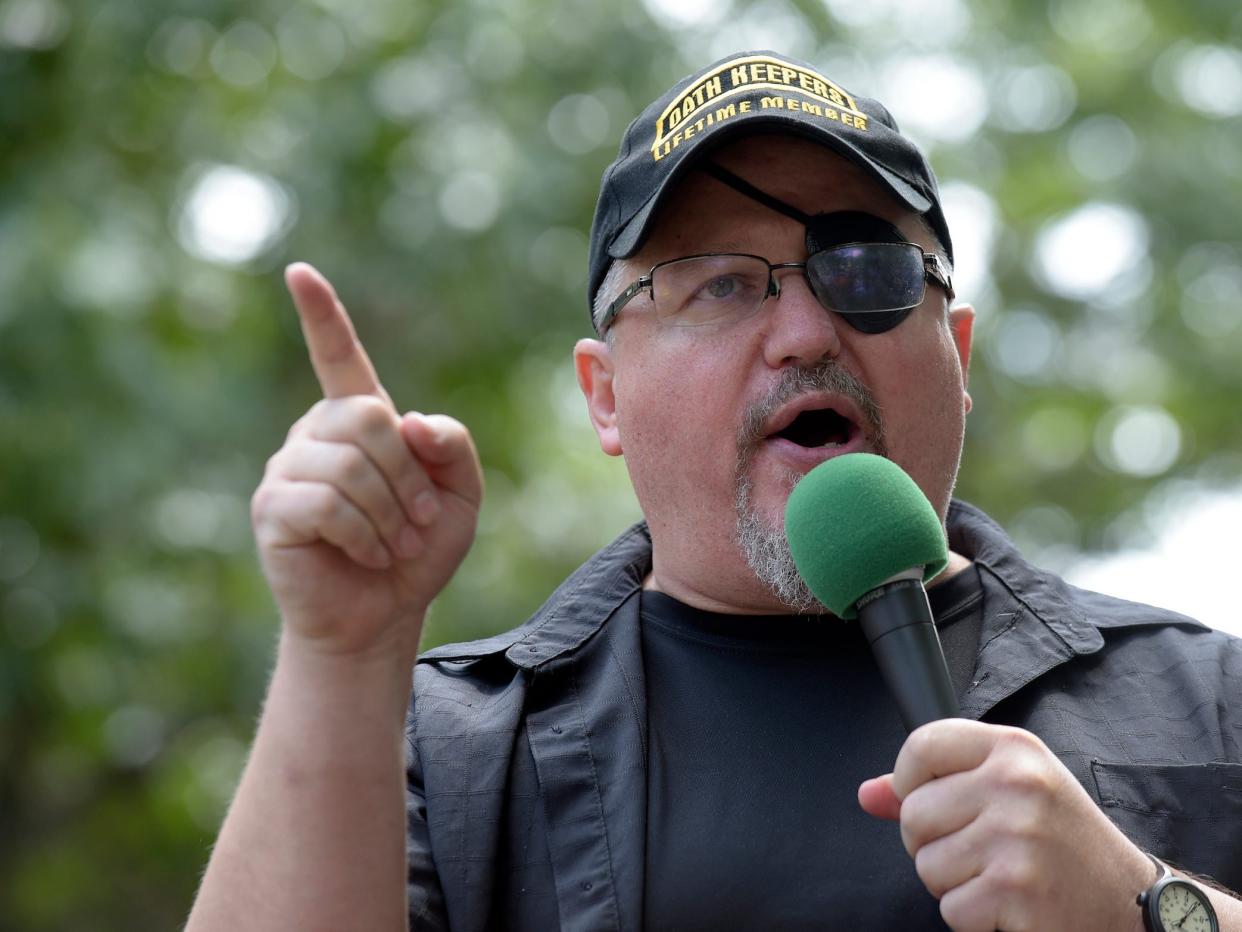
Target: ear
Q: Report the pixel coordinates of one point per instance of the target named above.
(596, 370)
(962, 324)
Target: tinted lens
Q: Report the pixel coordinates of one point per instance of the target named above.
(873, 285)
(709, 289)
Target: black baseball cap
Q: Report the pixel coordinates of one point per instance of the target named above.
(745, 93)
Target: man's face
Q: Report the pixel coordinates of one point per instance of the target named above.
(705, 416)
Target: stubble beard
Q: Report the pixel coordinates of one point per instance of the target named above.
(761, 541)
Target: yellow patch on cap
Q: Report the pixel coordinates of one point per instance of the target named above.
(708, 101)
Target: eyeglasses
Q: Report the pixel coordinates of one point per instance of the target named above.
(873, 286)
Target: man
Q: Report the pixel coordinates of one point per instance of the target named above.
(663, 744)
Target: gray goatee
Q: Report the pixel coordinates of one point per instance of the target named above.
(762, 542)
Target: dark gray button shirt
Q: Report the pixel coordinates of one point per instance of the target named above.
(528, 752)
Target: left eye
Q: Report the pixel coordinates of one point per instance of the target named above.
(722, 286)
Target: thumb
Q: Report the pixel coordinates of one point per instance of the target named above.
(877, 798)
(445, 449)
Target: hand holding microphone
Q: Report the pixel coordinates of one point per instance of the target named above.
(999, 830)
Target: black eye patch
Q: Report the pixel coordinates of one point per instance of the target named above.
(841, 228)
(853, 265)
(824, 231)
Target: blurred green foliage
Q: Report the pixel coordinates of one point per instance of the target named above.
(161, 162)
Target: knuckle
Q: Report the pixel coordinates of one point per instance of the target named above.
(360, 534)
(449, 431)
(961, 913)
(912, 835)
(316, 412)
(925, 867)
(300, 425)
(390, 521)
(352, 464)
(1019, 741)
(325, 504)
(371, 414)
(920, 744)
(261, 503)
(1013, 876)
(411, 482)
(453, 427)
(1031, 781)
(1025, 778)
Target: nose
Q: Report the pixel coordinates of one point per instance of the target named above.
(799, 329)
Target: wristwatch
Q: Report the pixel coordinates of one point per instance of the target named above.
(1175, 905)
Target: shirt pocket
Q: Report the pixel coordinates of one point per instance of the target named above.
(1187, 814)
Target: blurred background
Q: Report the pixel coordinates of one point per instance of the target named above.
(161, 161)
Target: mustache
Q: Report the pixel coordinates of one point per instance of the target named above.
(825, 376)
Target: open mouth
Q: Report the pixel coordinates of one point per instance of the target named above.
(820, 427)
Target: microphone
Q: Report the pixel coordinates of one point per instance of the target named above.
(864, 539)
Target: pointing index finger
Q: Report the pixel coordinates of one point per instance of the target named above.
(340, 362)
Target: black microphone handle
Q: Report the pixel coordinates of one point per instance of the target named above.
(897, 621)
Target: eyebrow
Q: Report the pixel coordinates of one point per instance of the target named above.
(728, 245)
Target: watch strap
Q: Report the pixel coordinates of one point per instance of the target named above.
(1162, 873)
(1162, 870)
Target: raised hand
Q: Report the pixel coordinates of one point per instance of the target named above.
(364, 514)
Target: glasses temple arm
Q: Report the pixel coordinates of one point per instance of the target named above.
(934, 266)
(622, 300)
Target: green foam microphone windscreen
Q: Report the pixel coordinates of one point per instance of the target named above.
(857, 520)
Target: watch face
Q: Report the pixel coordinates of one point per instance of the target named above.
(1184, 907)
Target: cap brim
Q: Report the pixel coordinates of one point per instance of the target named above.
(631, 236)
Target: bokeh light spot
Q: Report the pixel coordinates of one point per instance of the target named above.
(684, 14)
(972, 216)
(153, 609)
(495, 52)
(1026, 345)
(1211, 278)
(1046, 533)
(1138, 440)
(111, 272)
(231, 215)
(1102, 147)
(578, 123)
(243, 55)
(180, 45)
(134, 734)
(1034, 98)
(311, 47)
(33, 24)
(1112, 26)
(1090, 250)
(1054, 438)
(408, 87)
(956, 109)
(470, 201)
(1209, 79)
(927, 23)
(1189, 568)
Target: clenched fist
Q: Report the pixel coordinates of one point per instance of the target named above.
(1004, 836)
(364, 514)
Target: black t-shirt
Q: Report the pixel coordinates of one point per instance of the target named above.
(760, 730)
